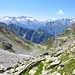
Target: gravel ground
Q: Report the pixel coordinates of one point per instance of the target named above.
(8, 59)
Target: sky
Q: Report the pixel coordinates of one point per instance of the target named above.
(39, 9)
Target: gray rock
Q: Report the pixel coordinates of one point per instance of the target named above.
(1, 70)
(73, 71)
(53, 64)
(56, 73)
(46, 53)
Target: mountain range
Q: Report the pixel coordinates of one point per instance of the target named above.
(23, 21)
(35, 30)
(36, 36)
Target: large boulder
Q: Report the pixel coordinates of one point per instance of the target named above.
(53, 64)
(1, 70)
(73, 71)
(7, 45)
(50, 59)
(56, 73)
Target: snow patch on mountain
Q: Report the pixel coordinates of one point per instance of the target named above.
(73, 20)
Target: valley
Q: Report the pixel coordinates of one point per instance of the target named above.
(54, 56)
(35, 30)
(37, 37)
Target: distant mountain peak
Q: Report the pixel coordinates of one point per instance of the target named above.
(26, 18)
(50, 20)
(53, 26)
(30, 18)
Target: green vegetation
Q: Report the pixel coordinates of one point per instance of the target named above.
(64, 57)
(14, 41)
(48, 43)
(40, 68)
(10, 41)
(69, 31)
(38, 71)
(40, 49)
(26, 73)
(68, 68)
(67, 58)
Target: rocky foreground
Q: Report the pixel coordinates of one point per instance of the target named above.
(21, 57)
(60, 63)
(11, 63)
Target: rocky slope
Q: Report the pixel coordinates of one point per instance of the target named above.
(63, 47)
(9, 40)
(58, 58)
(15, 52)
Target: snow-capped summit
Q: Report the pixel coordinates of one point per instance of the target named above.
(24, 18)
(30, 18)
(49, 25)
(50, 20)
(7, 19)
(73, 20)
(24, 21)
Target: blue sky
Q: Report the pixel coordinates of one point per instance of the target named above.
(39, 9)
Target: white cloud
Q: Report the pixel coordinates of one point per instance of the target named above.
(60, 12)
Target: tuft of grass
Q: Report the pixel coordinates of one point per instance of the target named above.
(26, 73)
(40, 68)
(64, 57)
(40, 49)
